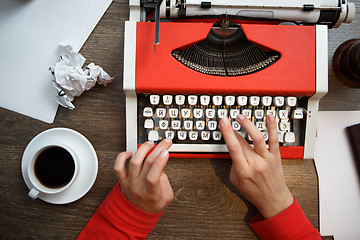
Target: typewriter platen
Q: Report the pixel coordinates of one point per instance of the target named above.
(188, 63)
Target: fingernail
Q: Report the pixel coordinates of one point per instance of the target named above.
(240, 117)
(271, 118)
(150, 142)
(224, 121)
(168, 140)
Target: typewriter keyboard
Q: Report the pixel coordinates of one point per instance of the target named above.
(194, 118)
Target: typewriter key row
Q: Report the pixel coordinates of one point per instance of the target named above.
(194, 118)
(219, 100)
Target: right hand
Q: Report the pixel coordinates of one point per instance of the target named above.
(257, 172)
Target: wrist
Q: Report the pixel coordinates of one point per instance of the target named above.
(276, 206)
(136, 205)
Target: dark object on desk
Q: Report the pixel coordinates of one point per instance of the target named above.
(346, 63)
(354, 137)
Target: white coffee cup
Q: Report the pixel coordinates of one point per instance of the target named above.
(48, 158)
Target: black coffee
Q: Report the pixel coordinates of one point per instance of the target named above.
(54, 167)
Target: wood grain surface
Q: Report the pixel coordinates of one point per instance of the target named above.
(205, 206)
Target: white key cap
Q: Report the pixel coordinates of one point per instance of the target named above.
(222, 113)
(283, 126)
(180, 99)
(204, 100)
(193, 135)
(298, 113)
(289, 137)
(192, 99)
(212, 125)
(205, 135)
(259, 114)
(242, 100)
(161, 112)
(185, 112)
(198, 113)
(270, 112)
(260, 126)
(170, 134)
(163, 124)
(235, 125)
(216, 135)
(254, 100)
(266, 101)
(234, 113)
(153, 135)
(279, 101)
(176, 124)
(281, 136)
(291, 101)
(217, 100)
(154, 99)
(188, 124)
(182, 135)
(148, 112)
(167, 99)
(210, 113)
(283, 114)
(173, 112)
(265, 135)
(229, 100)
(200, 125)
(149, 123)
(246, 113)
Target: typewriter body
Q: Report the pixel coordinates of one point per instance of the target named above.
(189, 63)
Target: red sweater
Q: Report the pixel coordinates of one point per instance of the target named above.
(117, 218)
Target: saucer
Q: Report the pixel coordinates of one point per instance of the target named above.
(88, 163)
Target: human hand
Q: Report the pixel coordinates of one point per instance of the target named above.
(257, 172)
(146, 186)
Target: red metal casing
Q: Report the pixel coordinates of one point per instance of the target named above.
(157, 71)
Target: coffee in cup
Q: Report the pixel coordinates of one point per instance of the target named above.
(52, 169)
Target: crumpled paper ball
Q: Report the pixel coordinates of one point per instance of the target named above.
(71, 79)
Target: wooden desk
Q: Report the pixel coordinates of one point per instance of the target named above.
(205, 205)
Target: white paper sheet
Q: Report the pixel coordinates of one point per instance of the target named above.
(31, 32)
(339, 184)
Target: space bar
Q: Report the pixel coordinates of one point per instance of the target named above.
(198, 148)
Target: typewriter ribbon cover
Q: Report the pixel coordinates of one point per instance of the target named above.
(292, 74)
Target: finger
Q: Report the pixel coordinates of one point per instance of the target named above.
(256, 136)
(138, 158)
(153, 176)
(273, 135)
(166, 187)
(232, 142)
(164, 144)
(119, 166)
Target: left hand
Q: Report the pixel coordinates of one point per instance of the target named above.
(146, 186)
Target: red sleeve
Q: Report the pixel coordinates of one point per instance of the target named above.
(117, 218)
(289, 224)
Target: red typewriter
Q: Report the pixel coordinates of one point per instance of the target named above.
(187, 64)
